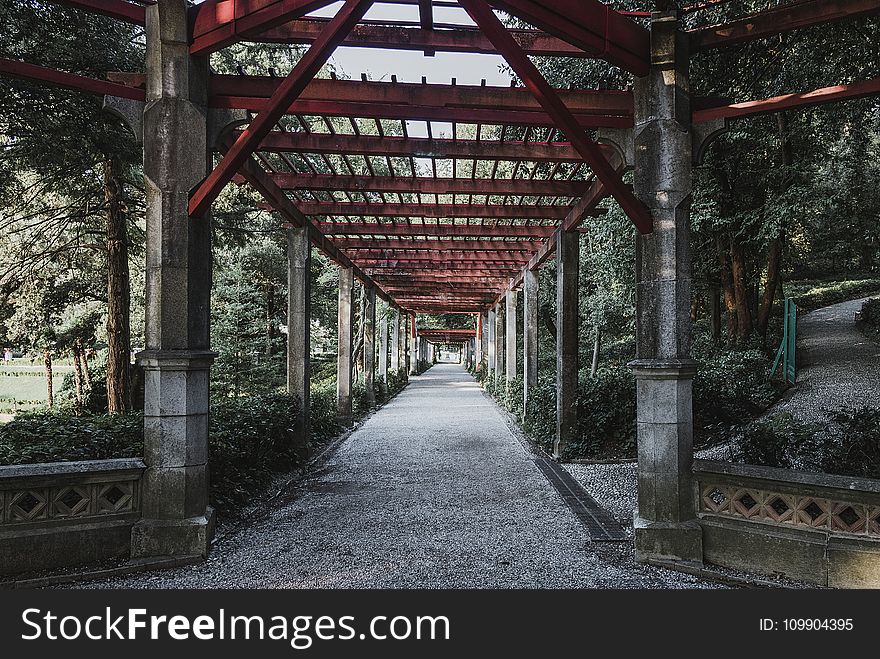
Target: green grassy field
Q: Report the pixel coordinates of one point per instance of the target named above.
(23, 387)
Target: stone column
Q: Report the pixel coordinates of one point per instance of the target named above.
(510, 335)
(370, 344)
(383, 353)
(345, 323)
(665, 524)
(299, 276)
(490, 341)
(530, 334)
(396, 352)
(567, 264)
(414, 349)
(177, 520)
(499, 342)
(478, 343)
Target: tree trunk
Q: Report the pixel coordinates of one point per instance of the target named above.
(77, 377)
(118, 292)
(738, 272)
(715, 305)
(86, 373)
(47, 362)
(727, 287)
(597, 346)
(774, 274)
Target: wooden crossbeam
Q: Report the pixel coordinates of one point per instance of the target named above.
(534, 42)
(450, 230)
(498, 211)
(483, 16)
(118, 9)
(441, 245)
(784, 18)
(306, 68)
(430, 185)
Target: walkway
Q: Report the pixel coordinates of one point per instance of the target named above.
(432, 491)
(841, 368)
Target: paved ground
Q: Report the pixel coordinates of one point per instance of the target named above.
(841, 368)
(432, 491)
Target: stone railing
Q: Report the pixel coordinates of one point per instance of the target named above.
(819, 528)
(67, 513)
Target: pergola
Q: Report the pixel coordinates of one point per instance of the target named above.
(432, 224)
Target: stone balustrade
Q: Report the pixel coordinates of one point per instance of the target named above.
(820, 528)
(67, 513)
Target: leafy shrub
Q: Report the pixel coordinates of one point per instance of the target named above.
(847, 444)
(324, 424)
(540, 417)
(250, 440)
(61, 436)
(869, 318)
(810, 295)
(396, 381)
(606, 415)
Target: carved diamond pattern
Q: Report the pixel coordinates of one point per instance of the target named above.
(848, 517)
(746, 503)
(813, 512)
(72, 502)
(28, 505)
(779, 508)
(115, 497)
(715, 499)
(874, 521)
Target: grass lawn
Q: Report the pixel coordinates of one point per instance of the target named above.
(23, 387)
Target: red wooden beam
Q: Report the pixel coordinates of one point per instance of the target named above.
(55, 78)
(460, 230)
(587, 24)
(118, 9)
(306, 68)
(788, 17)
(442, 244)
(355, 209)
(450, 256)
(430, 185)
(419, 147)
(449, 264)
(463, 40)
(220, 23)
(791, 101)
(483, 16)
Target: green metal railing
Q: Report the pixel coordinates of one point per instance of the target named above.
(786, 354)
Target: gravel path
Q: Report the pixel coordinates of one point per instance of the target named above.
(432, 491)
(841, 368)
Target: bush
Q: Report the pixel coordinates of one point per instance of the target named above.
(540, 418)
(810, 295)
(606, 415)
(250, 440)
(847, 444)
(324, 424)
(61, 436)
(869, 318)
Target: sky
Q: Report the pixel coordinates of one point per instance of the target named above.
(412, 65)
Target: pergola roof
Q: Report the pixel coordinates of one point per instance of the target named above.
(438, 223)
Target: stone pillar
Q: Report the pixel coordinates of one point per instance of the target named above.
(567, 264)
(490, 341)
(530, 334)
(510, 335)
(383, 353)
(370, 344)
(665, 523)
(345, 323)
(299, 276)
(396, 352)
(478, 343)
(499, 342)
(414, 349)
(177, 520)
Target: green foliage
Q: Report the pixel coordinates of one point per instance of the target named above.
(869, 318)
(540, 417)
(324, 424)
(812, 294)
(251, 439)
(848, 443)
(606, 415)
(61, 436)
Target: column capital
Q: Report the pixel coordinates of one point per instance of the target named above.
(663, 368)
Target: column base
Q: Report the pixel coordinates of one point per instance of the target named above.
(669, 541)
(173, 537)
